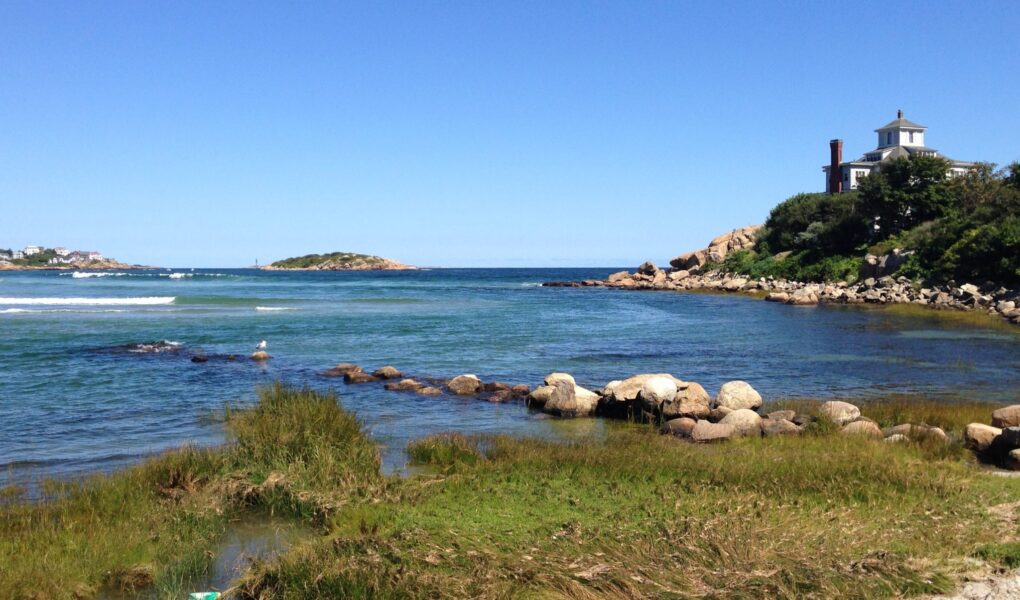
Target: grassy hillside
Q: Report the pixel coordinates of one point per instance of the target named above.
(964, 228)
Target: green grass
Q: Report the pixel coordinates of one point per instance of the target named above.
(629, 514)
(642, 515)
(906, 408)
(147, 525)
(295, 453)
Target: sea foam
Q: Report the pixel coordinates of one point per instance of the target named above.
(272, 308)
(141, 300)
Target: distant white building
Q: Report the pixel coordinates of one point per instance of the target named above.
(897, 139)
(30, 250)
(17, 255)
(61, 251)
(92, 255)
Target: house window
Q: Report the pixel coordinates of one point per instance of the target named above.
(911, 137)
(888, 138)
(846, 176)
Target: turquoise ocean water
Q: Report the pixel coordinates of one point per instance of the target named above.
(75, 398)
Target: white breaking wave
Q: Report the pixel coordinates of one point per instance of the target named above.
(85, 275)
(142, 300)
(11, 311)
(531, 285)
(271, 308)
(179, 275)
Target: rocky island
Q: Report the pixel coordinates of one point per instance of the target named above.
(338, 261)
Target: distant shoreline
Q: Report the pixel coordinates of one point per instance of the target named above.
(99, 266)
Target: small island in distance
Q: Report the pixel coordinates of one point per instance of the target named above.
(338, 261)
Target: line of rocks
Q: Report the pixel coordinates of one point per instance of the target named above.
(998, 443)
(685, 410)
(682, 408)
(461, 385)
(996, 300)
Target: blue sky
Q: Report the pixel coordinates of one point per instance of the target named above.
(466, 133)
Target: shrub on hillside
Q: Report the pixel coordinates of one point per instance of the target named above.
(965, 227)
(819, 222)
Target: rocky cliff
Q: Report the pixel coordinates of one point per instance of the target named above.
(738, 239)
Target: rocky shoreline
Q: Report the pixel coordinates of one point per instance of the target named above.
(98, 265)
(995, 300)
(685, 410)
(693, 271)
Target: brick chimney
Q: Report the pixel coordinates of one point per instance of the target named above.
(835, 176)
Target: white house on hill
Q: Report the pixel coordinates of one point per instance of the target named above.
(897, 139)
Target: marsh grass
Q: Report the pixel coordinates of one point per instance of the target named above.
(295, 452)
(905, 408)
(626, 514)
(642, 515)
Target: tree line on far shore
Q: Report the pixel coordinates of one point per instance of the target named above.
(963, 228)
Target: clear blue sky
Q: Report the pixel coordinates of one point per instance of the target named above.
(466, 133)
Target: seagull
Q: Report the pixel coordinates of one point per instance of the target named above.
(261, 346)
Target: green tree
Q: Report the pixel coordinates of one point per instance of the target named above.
(823, 223)
(906, 192)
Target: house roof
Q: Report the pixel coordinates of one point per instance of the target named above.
(900, 123)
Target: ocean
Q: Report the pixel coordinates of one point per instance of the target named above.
(76, 396)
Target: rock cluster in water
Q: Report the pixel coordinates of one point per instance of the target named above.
(998, 301)
(461, 385)
(998, 443)
(684, 409)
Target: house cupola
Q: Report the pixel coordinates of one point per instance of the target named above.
(901, 132)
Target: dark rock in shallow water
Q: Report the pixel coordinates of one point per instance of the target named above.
(404, 385)
(199, 358)
(342, 370)
(465, 385)
(359, 377)
(387, 372)
(501, 396)
(562, 284)
(155, 347)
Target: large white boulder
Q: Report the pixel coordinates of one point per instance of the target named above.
(540, 395)
(552, 378)
(465, 385)
(705, 431)
(744, 422)
(657, 390)
(868, 428)
(570, 400)
(737, 395)
(629, 389)
(839, 412)
(979, 437)
(1008, 416)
